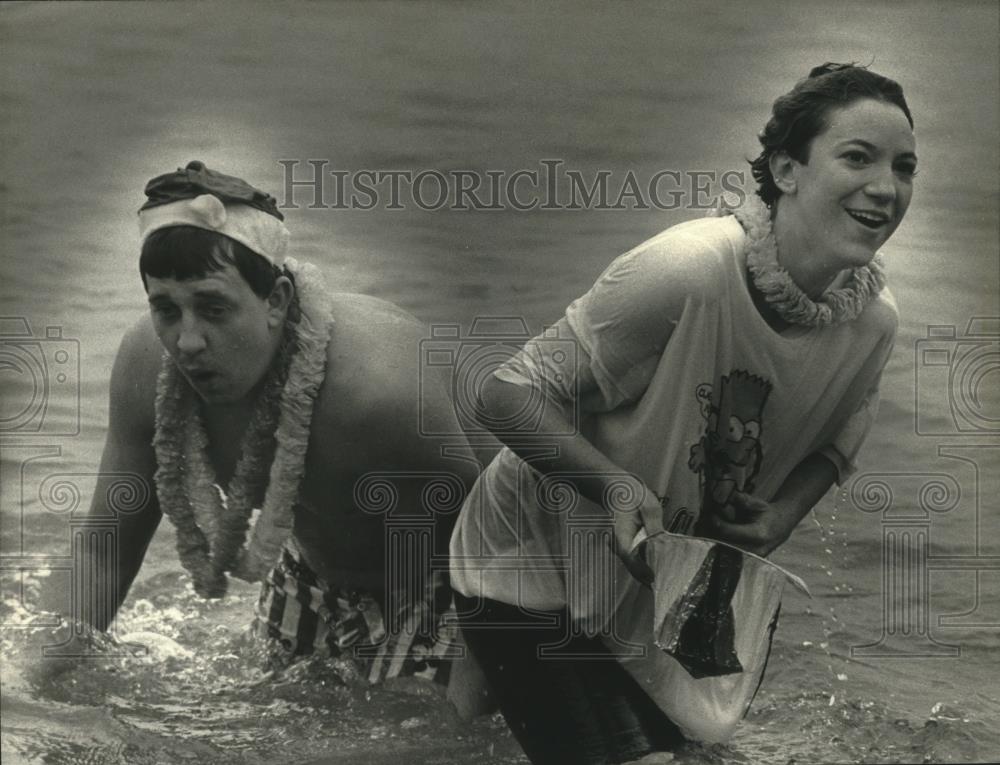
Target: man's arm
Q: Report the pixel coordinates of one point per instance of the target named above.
(128, 450)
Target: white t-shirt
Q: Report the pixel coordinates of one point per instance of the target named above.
(684, 385)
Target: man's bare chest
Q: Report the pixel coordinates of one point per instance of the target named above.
(226, 434)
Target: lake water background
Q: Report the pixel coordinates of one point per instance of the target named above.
(892, 660)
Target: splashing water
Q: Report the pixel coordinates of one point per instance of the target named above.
(183, 680)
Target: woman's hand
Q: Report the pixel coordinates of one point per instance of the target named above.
(648, 516)
(761, 527)
(764, 526)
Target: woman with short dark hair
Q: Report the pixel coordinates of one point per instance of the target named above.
(713, 384)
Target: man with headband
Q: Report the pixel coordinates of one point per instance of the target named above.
(251, 387)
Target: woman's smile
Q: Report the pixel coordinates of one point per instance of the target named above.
(873, 220)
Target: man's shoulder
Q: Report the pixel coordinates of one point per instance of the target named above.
(141, 350)
(369, 333)
(133, 378)
(373, 355)
(363, 317)
(140, 340)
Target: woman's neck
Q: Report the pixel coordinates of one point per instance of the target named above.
(840, 295)
(797, 255)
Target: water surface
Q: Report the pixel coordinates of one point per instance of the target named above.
(99, 98)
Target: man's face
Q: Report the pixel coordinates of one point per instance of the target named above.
(220, 334)
(855, 189)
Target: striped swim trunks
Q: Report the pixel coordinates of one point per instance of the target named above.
(300, 614)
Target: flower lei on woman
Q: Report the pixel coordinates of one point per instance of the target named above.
(211, 528)
(835, 306)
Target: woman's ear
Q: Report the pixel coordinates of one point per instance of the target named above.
(279, 300)
(783, 171)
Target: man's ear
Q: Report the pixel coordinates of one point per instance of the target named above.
(783, 169)
(279, 300)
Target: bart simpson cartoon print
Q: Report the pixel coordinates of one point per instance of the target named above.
(729, 454)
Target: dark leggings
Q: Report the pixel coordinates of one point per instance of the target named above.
(585, 710)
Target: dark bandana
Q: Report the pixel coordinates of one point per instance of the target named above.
(196, 179)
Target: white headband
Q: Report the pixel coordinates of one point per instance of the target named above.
(261, 232)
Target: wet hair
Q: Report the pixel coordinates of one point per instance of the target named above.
(189, 252)
(801, 114)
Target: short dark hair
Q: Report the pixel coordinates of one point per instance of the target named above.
(189, 252)
(800, 115)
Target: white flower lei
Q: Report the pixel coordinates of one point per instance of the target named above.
(835, 306)
(211, 529)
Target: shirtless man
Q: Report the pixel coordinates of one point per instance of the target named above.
(215, 386)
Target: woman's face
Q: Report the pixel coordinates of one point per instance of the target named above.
(853, 191)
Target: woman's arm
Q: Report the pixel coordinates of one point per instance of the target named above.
(771, 523)
(594, 475)
(609, 344)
